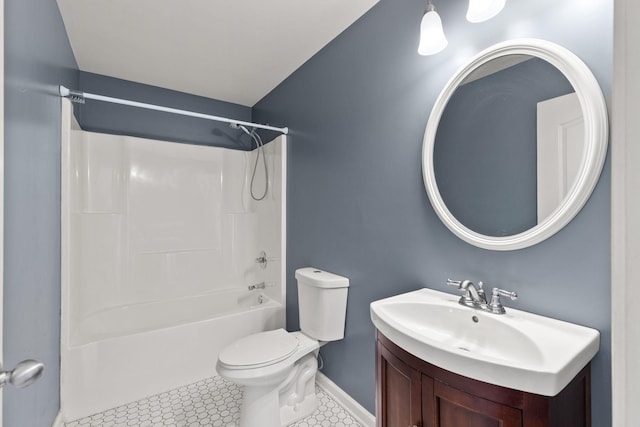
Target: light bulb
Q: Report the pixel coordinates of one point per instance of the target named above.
(432, 39)
(482, 10)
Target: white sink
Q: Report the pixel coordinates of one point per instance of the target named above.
(519, 350)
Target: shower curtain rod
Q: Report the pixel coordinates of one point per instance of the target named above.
(79, 97)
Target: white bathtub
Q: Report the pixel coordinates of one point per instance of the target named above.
(158, 244)
(133, 319)
(114, 358)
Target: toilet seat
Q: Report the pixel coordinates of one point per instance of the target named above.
(259, 350)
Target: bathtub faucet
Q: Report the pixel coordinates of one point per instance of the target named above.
(260, 285)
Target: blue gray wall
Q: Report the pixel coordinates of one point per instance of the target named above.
(103, 117)
(38, 57)
(357, 205)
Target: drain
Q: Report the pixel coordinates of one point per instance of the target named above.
(475, 319)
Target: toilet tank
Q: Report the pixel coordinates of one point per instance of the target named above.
(322, 302)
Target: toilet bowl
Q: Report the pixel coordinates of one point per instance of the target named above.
(274, 367)
(278, 368)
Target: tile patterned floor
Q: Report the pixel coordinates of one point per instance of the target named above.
(213, 402)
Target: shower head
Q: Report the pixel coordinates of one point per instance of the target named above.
(239, 126)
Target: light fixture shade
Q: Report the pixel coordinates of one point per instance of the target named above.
(432, 39)
(482, 10)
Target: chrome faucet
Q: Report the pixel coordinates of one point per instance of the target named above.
(260, 285)
(475, 297)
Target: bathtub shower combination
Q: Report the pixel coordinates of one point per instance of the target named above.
(160, 243)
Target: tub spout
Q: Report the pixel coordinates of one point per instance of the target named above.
(260, 285)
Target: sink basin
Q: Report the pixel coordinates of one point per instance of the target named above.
(519, 350)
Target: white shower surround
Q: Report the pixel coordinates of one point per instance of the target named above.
(159, 244)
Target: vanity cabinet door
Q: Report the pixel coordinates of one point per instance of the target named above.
(445, 406)
(398, 392)
(411, 392)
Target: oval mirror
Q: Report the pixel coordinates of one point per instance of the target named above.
(515, 144)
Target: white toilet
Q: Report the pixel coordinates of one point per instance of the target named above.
(278, 368)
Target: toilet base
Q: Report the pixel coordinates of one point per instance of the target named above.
(260, 407)
(298, 395)
(291, 414)
(285, 403)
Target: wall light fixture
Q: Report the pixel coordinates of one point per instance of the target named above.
(432, 38)
(482, 10)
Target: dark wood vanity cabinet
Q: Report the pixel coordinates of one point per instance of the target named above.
(411, 392)
(398, 390)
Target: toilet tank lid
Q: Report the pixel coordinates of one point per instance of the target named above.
(322, 279)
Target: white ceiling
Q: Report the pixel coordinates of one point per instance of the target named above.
(231, 50)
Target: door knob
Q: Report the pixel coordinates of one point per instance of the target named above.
(24, 374)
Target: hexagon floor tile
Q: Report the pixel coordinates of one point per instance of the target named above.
(213, 402)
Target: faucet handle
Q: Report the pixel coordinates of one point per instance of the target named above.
(263, 259)
(496, 292)
(495, 306)
(456, 283)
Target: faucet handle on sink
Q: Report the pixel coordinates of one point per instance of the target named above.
(497, 292)
(456, 283)
(495, 306)
(459, 284)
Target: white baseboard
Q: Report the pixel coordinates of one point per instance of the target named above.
(358, 412)
(58, 421)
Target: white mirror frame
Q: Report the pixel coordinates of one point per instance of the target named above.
(596, 141)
